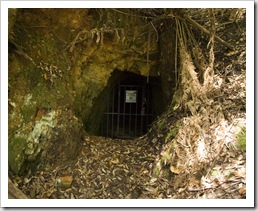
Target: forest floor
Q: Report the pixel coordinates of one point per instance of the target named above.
(109, 168)
(105, 168)
(123, 169)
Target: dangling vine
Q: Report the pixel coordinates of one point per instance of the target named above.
(194, 91)
(209, 73)
(98, 33)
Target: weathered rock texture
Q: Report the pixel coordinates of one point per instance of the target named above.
(62, 59)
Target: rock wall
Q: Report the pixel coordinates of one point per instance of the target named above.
(60, 60)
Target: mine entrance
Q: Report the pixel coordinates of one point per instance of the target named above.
(130, 109)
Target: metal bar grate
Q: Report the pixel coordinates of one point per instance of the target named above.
(128, 113)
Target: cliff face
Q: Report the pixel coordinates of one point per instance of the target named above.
(62, 59)
(66, 69)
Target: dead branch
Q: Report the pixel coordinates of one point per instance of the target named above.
(20, 52)
(14, 192)
(194, 23)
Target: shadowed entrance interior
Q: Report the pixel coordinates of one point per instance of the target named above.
(130, 108)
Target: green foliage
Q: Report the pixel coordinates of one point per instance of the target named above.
(172, 133)
(231, 175)
(157, 169)
(214, 173)
(241, 139)
(176, 101)
(161, 123)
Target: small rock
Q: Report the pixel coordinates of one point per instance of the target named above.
(64, 182)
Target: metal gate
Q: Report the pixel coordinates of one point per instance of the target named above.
(128, 113)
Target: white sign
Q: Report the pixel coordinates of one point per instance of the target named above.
(130, 96)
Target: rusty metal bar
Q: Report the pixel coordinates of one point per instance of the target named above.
(118, 110)
(130, 119)
(113, 105)
(108, 115)
(136, 112)
(124, 90)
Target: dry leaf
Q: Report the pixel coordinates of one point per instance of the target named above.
(239, 173)
(115, 161)
(175, 170)
(242, 191)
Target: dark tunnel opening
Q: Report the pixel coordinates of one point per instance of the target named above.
(132, 103)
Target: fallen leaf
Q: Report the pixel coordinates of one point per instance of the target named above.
(242, 191)
(175, 170)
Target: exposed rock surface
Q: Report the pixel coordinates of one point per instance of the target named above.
(62, 63)
(62, 59)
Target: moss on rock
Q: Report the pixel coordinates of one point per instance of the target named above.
(16, 156)
(61, 61)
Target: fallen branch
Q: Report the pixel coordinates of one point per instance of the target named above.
(208, 32)
(14, 192)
